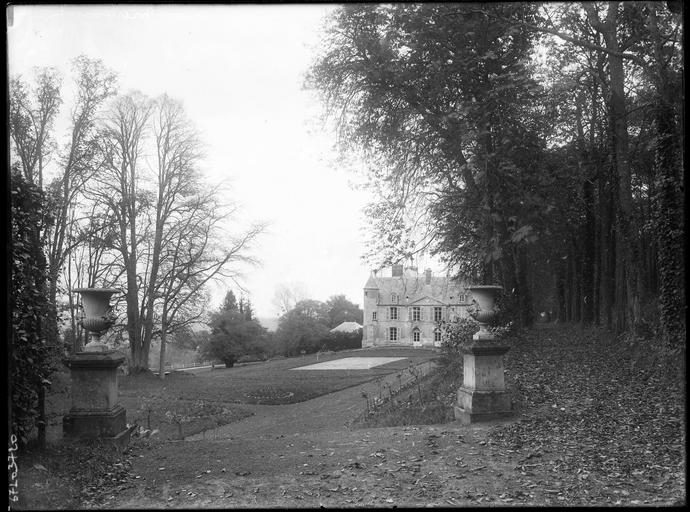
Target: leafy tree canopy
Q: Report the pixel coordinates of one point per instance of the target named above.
(342, 310)
(304, 327)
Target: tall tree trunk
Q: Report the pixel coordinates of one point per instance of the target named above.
(588, 253)
(607, 254)
(627, 264)
(139, 357)
(164, 339)
(560, 292)
(669, 200)
(597, 192)
(52, 335)
(41, 422)
(588, 228)
(524, 295)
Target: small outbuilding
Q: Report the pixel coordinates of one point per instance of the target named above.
(347, 327)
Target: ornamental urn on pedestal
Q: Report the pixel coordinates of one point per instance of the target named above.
(95, 411)
(483, 395)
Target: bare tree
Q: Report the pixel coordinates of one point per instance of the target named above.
(122, 142)
(167, 218)
(95, 83)
(31, 119)
(31, 124)
(288, 294)
(185, 252)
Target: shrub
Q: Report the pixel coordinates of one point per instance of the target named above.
(232, 336)
(454, 334)
(343, 341)
(252, 358)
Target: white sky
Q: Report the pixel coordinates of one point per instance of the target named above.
(239, 72)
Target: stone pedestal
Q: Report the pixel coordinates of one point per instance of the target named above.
(95, 411)
(483, 396)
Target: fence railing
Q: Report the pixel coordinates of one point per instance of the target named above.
(181, 366)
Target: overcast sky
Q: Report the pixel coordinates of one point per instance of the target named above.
(239, 72)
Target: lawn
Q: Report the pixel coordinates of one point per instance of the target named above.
(271, 382)
(188, 402)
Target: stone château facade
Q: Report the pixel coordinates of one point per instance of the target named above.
(406, 308)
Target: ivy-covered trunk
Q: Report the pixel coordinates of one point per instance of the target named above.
(669, 199)
(30, 356)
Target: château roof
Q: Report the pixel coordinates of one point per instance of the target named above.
(371, 283)
(415, 289)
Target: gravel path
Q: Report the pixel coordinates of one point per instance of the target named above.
(334, 411)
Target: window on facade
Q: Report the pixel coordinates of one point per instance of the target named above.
(394, 298)
(462, 298)
(438, 314)
(437, 335)
(373, 316)
(393, 334)
(394, 313)
(416, 314)
(415, 335)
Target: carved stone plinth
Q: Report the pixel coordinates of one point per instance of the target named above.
(95, 411)
(483, 396)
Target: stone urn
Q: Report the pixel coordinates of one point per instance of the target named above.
(95, 411)
(98, 315)
(485, 302)
(483, 396)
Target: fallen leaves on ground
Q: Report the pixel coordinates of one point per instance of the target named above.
(599, 423)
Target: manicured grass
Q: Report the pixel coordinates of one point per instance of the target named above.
(271, 382)
(208, 398)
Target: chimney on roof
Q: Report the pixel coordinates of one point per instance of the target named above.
(397, 270)
(427, 276)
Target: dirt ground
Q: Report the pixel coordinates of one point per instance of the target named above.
(409, 466)
(317, 464)
(439, 466)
